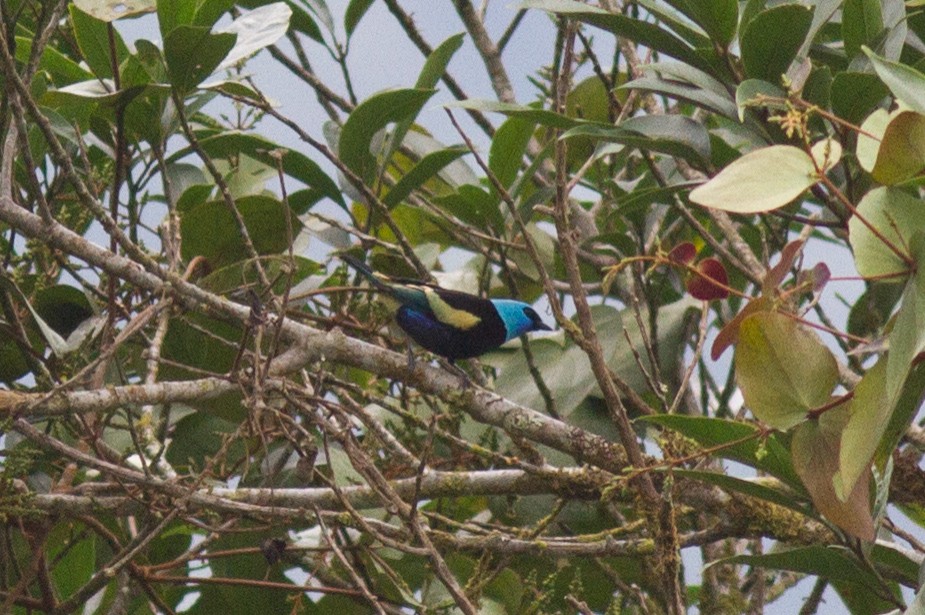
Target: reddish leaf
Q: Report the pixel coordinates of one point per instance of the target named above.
(710, 281)
(683, 253)
(777, 273)
(815, 451)
(818, 276)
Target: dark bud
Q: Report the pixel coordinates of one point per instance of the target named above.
(683, 253)
(710, 281)
(272, 549)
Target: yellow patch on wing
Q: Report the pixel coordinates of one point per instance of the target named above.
(449, 315)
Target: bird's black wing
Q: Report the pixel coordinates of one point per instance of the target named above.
(449, 341)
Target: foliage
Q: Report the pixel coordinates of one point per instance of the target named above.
(205, 409)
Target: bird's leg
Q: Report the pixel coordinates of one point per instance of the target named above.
(465, 380)
(410, 358)
(478, 376)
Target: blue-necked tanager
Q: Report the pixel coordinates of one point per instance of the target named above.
(450, 323)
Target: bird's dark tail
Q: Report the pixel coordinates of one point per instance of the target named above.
(379, 281)
(406, 292)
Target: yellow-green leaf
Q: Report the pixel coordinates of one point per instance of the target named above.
(896, 216)
(759, 181)
(783, 369)
(900, 152)
(868, 416)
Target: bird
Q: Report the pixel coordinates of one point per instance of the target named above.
(449, 323)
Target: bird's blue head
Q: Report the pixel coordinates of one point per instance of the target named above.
(518, 318)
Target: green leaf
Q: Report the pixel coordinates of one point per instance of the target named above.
(173, 13)
(907, 339)
(734, 440)
(506, 156)
(679, 23)
(229, 144)
(687, 83)
(868, 145)
(13, 365)
(675, 71)
(897, 217)
(92, 36)
(873, 308)
(371, 116)
(754, 487)
(564, 367)
(61, 68)
(675, 135)
(892, 40)
(817, 90)
(61, 307)
(210, 230)
(642, 198)
(783, 369)
(815, 450)
(111, 10)
(543, 117)
(854, 95)
(320, 9)
(354, 13)
(651, 35)
(761, 180)
(246, 176)
(868, 416)
(73, 549)
(203, 344)
(433, 70)
(456, 174)
(823, 15)
(473, 205)
(772, 38)
(193, 53)
(861, 24)
(752, 92)
(204, 13)
(905, 408)
(826, 153)
(718, 18)
(425, 169)
(588, 101)
(151, 58)
(436, 63)
(97, 90)
(248, 563)
(62, 315)
(711, 101)
(894, 562)
(834, 563)
(182, 176)
(255, 30)
(62, 127)
(232, 88)
(900, 153)
(278, 268)
(906, 83)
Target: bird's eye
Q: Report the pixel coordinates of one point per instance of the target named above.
(531, 314)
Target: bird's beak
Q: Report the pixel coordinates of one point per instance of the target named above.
(541, 326)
